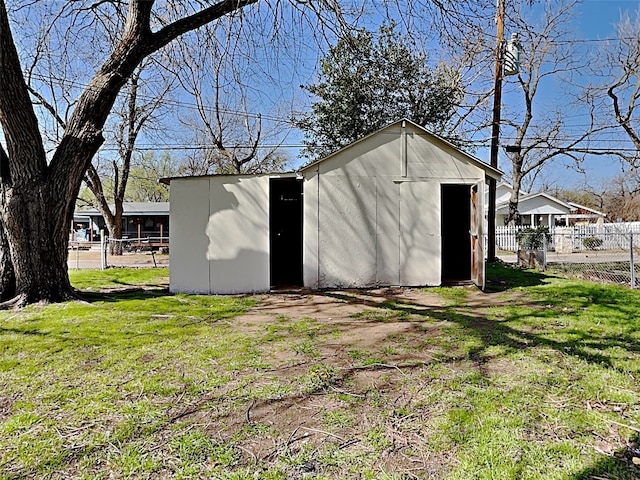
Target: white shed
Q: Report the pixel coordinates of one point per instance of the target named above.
(399, 207)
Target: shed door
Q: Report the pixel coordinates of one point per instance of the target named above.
(477, 235)
(456, 227)
(285, 232)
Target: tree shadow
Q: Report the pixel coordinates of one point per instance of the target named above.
(619, 465)
(124, 294)
(590, 346)
(501, 277)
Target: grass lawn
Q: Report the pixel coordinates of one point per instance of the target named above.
(537, 378)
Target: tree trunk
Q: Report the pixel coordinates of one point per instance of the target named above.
(7, 275)
(38, 193)
(38, 246)
(114, 224)
(513, 217)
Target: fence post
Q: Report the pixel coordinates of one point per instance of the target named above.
(103, 250)
(545, 246)
(631, 261)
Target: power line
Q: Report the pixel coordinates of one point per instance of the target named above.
(170, 102)
(154, 148)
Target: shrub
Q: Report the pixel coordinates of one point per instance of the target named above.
(591, 243)
(533, 238)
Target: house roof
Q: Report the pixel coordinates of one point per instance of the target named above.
(577, 206)
(531, 198)
(510, 187)
(489, 170)
(132, 209)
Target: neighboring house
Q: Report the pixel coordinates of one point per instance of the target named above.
(139, 220)
(581, 215)
(399, 207)
(535, 209)
(503, 193)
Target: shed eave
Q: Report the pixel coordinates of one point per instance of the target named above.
(168, 180)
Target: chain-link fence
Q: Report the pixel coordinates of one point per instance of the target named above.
(137, 251)
(601, 255)
(127, 252)
(604, 256)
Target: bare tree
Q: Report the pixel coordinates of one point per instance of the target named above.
(621, 196)
(38, 191)
(232, 135)
(145, 172)
(615, 92)
(537, 135)
(134, 114)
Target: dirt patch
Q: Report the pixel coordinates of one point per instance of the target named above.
(339, 359)
(349, 384)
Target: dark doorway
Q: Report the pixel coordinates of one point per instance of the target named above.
(456, 238)
(285, 232)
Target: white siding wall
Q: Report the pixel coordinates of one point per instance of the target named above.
(366, 224)
(238, 232)
(372, 216)
(437, 160)
(421, 246)
(541, 205)
(220, 234)
(189, 214)
(347, 231)
(310, 250)
(387, 231)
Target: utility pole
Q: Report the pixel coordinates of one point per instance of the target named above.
(495, 133)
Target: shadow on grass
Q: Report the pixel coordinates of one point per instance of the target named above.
(619, 466)
(510, 332)
(588, 347)
(532, 327)
(501, 277)
(124, 294)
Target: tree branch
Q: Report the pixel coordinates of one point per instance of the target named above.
(92, 179)
(25, 150)
(172, 31)
(50, 108)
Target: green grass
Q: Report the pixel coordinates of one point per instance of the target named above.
(538, 379)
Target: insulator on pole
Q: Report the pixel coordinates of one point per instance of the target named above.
(511, 63)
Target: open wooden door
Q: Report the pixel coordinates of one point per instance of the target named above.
(477, 234)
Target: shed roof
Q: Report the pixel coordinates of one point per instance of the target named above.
(133, 209)
(167, 180)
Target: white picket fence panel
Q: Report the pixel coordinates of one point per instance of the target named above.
(614, 236)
